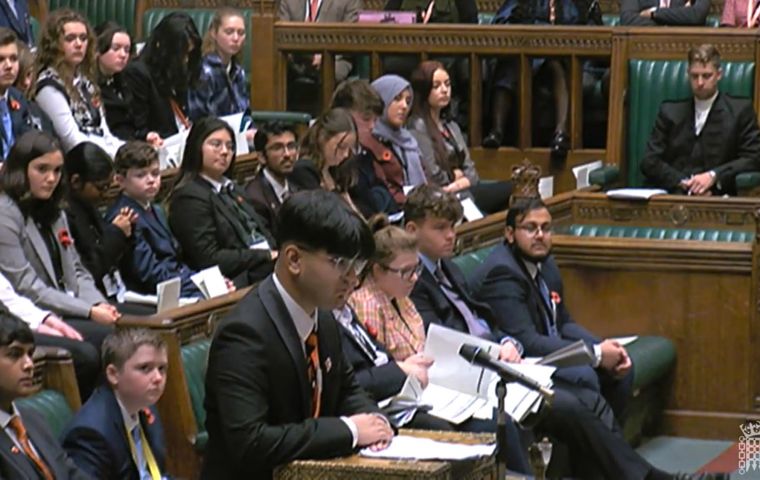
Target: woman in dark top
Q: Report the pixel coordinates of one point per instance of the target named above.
(161, 76)
(444, 151)
(211, 216)
(100, 245)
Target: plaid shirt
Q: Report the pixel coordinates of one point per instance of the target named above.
(401, 335)
(218, 94)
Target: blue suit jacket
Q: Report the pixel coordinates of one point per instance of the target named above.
(18, 107)
(502, 283)
(19, 23)
(96, 438)
(155, 257)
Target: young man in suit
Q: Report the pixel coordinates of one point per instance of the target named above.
(277, 146)
(278, 387)
(155, 256)
(653, 13)
(699, 145)
(14, 111)
(117, 433)
(521, 283)
(28, 450)
(14, 15)
(578, 415)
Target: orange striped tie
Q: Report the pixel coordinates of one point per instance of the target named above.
(23, 439)
(312, 360)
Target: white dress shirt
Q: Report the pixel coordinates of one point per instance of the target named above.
(701, 111)
(216, 185)
(280, 189)
(20, 306)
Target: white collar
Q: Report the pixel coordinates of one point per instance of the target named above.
(130, 421)
(702, 105)
(533, 268)
(217, 186)
(304, 322)
(4, 97)
(279, 188)
(344, 316)
(5, 417)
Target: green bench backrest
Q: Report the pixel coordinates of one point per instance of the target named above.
(98, 11)
(52, 406)
(202, 18)
(659, 233)
(194, 361)
(650, 82)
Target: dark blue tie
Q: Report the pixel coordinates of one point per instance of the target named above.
(551, 327)
(7, 128)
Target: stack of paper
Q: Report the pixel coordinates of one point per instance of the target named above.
(210, 282)
(170, 153)
(635, 193)
(416, 448)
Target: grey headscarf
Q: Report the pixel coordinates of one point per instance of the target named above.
(404, 143)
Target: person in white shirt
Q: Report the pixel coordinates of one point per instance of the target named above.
(699, 145)
(66, 88)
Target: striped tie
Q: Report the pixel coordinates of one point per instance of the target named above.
(312, 366)
(23, 440)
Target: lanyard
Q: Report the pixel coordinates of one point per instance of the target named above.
(752, 14)
(155, 473)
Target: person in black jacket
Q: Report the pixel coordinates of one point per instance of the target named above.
(211, 216)
(100, 245)
(159, 79)
(651, 13)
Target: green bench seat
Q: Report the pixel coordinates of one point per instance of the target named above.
(658, 233)
(194, 361)
(98, 11)
(52, 406)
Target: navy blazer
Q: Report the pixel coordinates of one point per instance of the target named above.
(156, 253)
(258, 396)
(21, 117)
(20, 22)
(96, 438)
(435, 307)
(503, 283)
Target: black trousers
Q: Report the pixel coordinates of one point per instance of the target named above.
(85, 354)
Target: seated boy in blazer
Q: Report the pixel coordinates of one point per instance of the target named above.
(117, 433)
(155, 256)
(27, 447)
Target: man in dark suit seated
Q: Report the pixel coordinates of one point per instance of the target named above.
(699, 145)
(117, 433)
(521, 283)
(277, 146)
(14, 14)
(28, 450)
(578, 415)
(278, 387)
(15, 118)
(652, 13)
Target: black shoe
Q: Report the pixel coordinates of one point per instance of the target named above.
(559, 146)
(492, 140)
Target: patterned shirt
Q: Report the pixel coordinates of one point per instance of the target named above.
(222, 90)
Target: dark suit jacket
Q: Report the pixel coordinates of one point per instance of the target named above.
(728, 144)
(677, 14)
(435, 307)
(96, 438)
(151, 109)
(209, 233)
(305, 175)
(100, 245)
(380, 382)
(505, 285)
(263, 198)
(155, 256)
(118, 104)
(16, 466)
(19, 23)
(21, 118)
(258, 398)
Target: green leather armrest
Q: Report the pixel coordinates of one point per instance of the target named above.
(469, 261)
(194, 360)
(658, 233)
(52, 406)
(652, 358)
(286, 117)
(713, 21)
(747, 180)
(604, 176)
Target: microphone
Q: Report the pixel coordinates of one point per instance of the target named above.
(478, 356)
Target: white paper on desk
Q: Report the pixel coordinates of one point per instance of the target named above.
(210, 282)
(407, 188)
(581, 173)
(635, 193)
(167, 293)
(625, 340)
(147, 299)
(170, 153)
(546, 187)
(415, 448)
(235, 121)
(471, 212)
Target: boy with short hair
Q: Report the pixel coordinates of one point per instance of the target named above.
(117, 433)
(27, 447)
(155, 256)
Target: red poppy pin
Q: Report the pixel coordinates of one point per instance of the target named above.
(149, 416)
(372, 331)
(64, 238)
(96, 101)
(556, 298)
(387, 155)
(15, 450)
(14, 104)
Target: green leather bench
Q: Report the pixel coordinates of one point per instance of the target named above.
(194, 361)
(658, 233)
(98, 11)
(653, 357)
(52, 406)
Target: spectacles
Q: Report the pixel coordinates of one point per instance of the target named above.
(343, 265)
(279, 148)
(532, 229)
(405, 273)
(217, 145)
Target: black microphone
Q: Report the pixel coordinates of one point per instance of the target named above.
(478, 356)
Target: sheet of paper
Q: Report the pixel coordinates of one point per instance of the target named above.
(415, 448)
(170, 153)
(146, 299)
(635, 193)
(546, 187)
(581, 173)
(407, 188)
(625, 340)
(235, 121)
(168, 294)
(450, 405)
(210, 282)
(471, 211)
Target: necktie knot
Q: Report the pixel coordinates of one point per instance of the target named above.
(18, 428)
